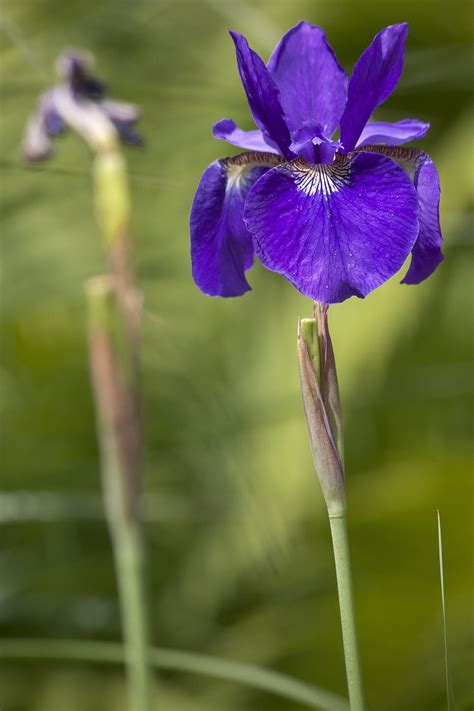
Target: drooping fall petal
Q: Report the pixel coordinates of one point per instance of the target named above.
(221, 245)
(426, 253)
(334, 230)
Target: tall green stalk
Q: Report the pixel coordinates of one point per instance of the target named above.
(340, 544)
(114, 346)
(120, 491)
(321, 401)
(129, 562)
(115, 308)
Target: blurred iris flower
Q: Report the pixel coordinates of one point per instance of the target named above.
(78, 102)
(329, 210)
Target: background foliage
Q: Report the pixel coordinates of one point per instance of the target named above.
(240, 560)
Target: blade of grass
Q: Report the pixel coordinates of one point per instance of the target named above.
(17, 38)
(449, 677)
(191, 662)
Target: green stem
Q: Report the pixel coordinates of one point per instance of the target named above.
(114, 354)
(340, 544)
(129, 563)
(117, 434)
(172, 659)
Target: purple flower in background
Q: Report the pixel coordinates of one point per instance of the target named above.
(333, 212)
(78, 101)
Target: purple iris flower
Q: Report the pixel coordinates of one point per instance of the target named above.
(78, 101)
(324, 197)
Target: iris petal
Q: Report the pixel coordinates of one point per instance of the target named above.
(374, 78)
(262, 95)
(228, 131)
(310, 136)
(36, 142)
(53, 122)
(334, 230)
(221, 245)
(120, 110)
(43, 124)
(127, 133)
(302, 139)
(312, 84)
(426, 254)
(124, 116)
(392, 134)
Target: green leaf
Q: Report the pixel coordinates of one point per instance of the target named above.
(190, 662)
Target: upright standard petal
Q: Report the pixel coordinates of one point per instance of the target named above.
(227, 130)
(374, 78)
(312, 84)
(334, 230)
(221, 245)
(262, 95)
(426, 254)
(392, 134)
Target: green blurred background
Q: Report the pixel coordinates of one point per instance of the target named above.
(240, 562)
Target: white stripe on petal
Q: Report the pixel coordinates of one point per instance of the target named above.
(324, 178)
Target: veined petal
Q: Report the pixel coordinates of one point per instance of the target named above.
(334, 230)
(221, 245)
(374, 78)
(392, 134)
(312, 84)
(426, 254)
(262, 94)
(227, 130)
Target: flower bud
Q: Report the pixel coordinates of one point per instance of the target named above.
(320, 392)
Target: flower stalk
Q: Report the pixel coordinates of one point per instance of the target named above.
(321, 401)
(78, 102)
(340, 544)
(114, 342)
(118, 449)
